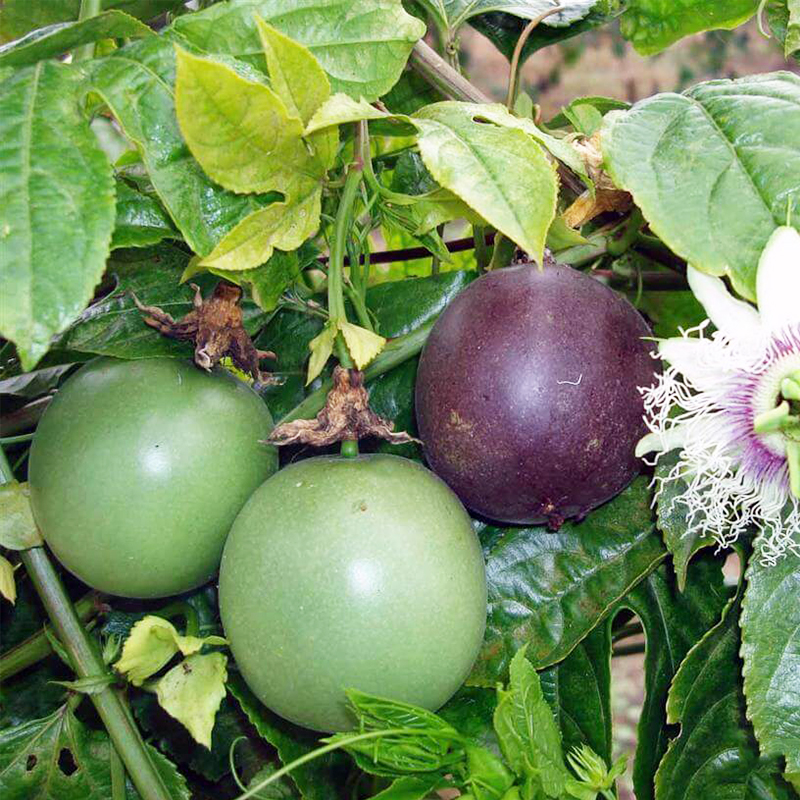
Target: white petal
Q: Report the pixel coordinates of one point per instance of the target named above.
(732, 317)
(694, 359)
(778, 280)
(662, 442)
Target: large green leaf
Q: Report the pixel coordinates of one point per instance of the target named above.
(56, 207)
(503, 29)
(137, 84)
(783, 17)
(141, 221)
(673, 622)
(653, 25)
(18, 17)
(114, 326)
(716, 755)
(500, 172)
(59, 758)
(450, 15)
(579, 691)
(551, 589)
(713, 169)
(62, 37)
(363, 45)
(771, 653)
(321, 778)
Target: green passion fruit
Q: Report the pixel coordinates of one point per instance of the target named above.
(359, 573)
(138, 469)
(527, 394)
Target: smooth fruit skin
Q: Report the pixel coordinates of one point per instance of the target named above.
(357, 573)
(138, 469)
(526, 394)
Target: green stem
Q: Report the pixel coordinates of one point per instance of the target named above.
(349, 448)
(482, 253)
(25, 437)
(516, 58)
(87, 663)
(625, 236)
(89, 8)
(329, 748)
(180, 608)
(37, 647)
(359, 306)
(628, 650)
(504, 250)
(117, 776)
(395, 353)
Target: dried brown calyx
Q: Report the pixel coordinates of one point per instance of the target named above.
(346, 415)
(215, 326)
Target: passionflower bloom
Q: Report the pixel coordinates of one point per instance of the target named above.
(730, 403)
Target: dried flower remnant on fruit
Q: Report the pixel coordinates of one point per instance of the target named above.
(346, 415)
(730, 403)
(215, 326)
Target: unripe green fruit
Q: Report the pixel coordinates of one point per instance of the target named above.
(138, 469)
(359, 573)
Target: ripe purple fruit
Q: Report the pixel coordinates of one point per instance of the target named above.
(527, 394)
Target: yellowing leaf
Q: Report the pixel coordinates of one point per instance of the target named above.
(18, 531)
(296, 75)
(321, 347)
(284, 225)
(363, 345)
(192, 691)
(300, 82)
(153, 641)
(238, 130)
(8, 588)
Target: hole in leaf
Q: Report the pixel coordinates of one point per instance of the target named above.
(66, 763)
(31, 762)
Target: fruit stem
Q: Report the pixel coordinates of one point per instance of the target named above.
(86, 662)
(349, 448)
(37, 647)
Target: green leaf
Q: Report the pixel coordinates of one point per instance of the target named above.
(59, 758)
(18, 530)
(136, 82)
(192, 692)
(450, 15)
(319, 779)
(783, 17)
(410, 788)
(471, 712)
(500, 172)
(551, 589)
(18, 17)
(33, 384)
(362, 45)
(673, 521)
(673, 622)
(526, 728)
(715, 756)
(91, 685)
(114, 326)
(56, 207)
(577, 113)
(60, 38)
(579, 692)
(653, 25)
(504, 29)
(712, 169)
(489, 778)
(435, 748)
(141, 221)
(770, 646)
(671, 312)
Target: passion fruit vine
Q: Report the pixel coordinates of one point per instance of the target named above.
(138, 469)
(527, 394)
